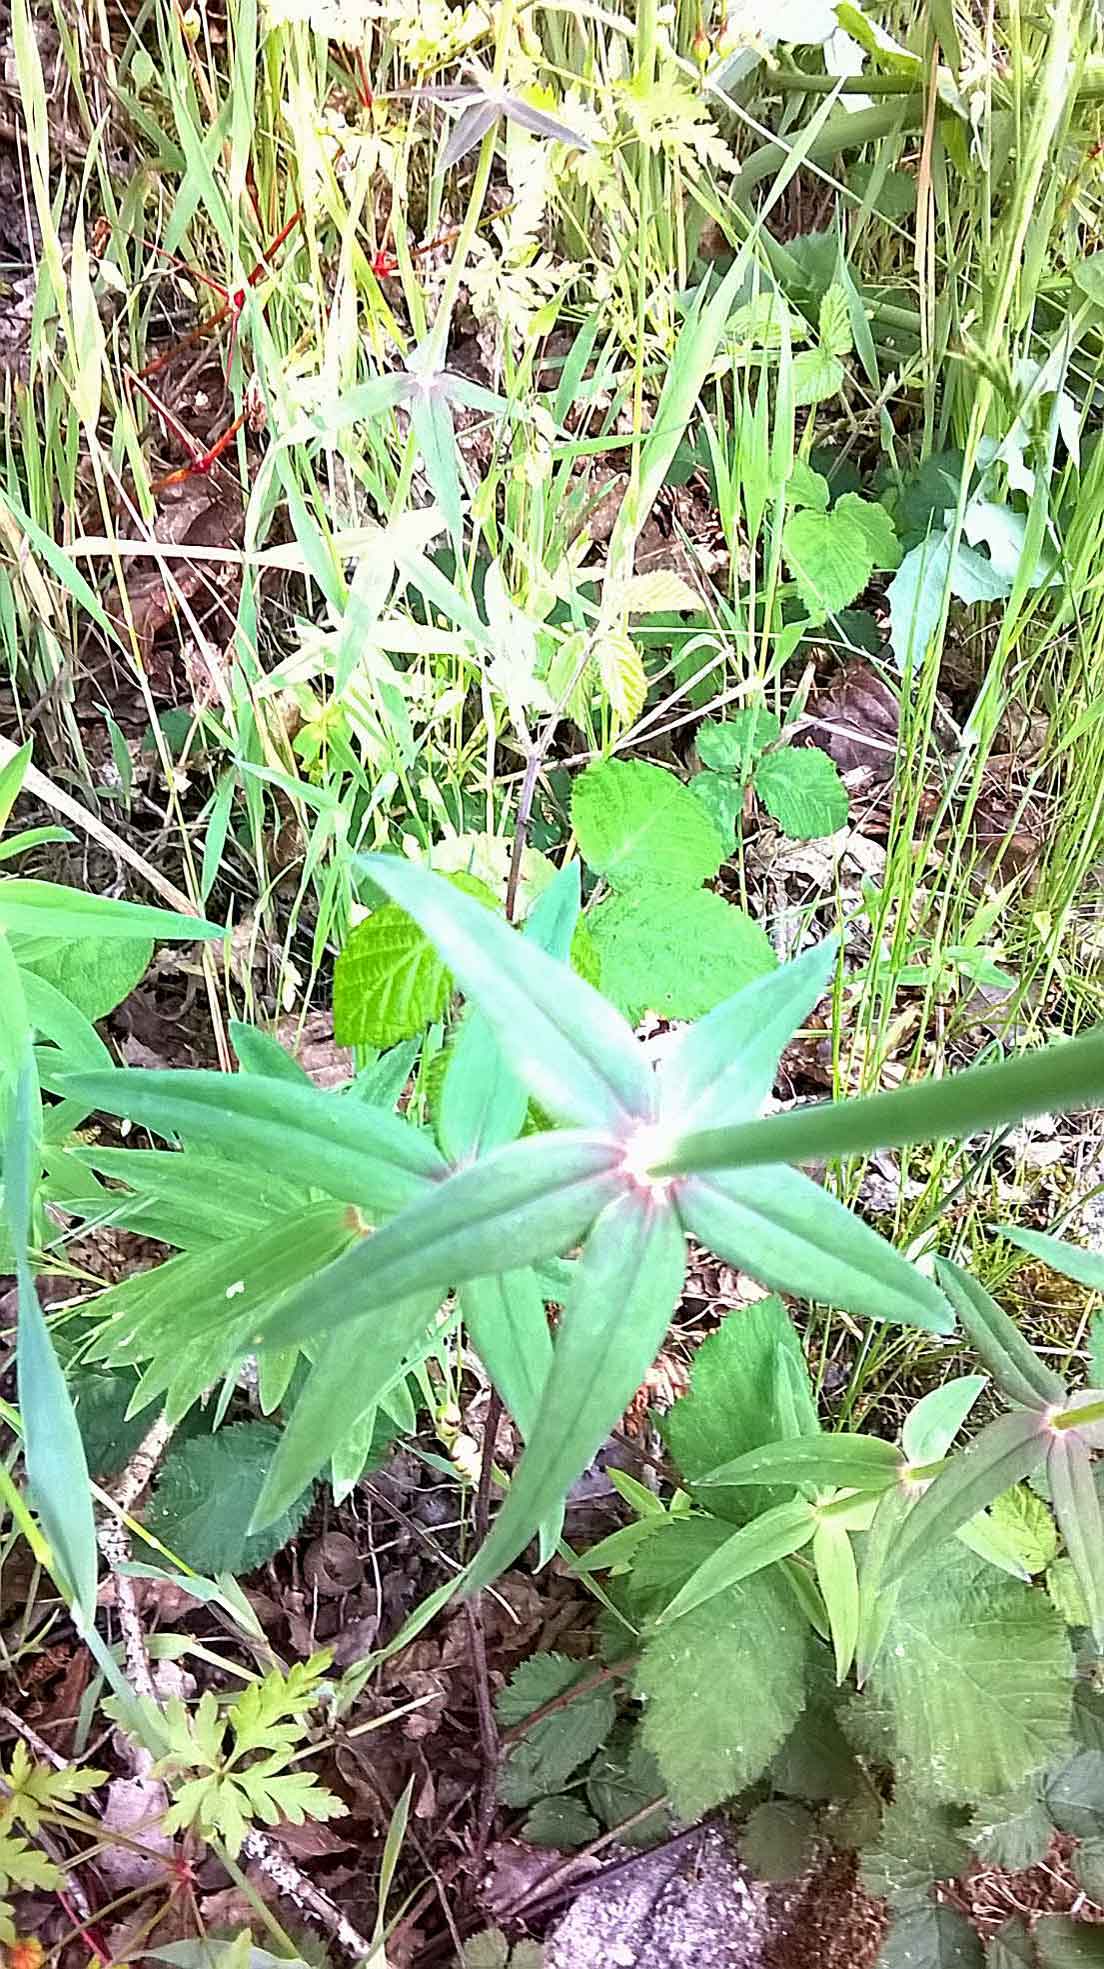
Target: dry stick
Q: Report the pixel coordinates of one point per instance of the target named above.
(115, 1545)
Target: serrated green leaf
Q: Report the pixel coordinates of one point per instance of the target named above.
(1088, 1865)
(621, 1301)
(361, 1155)
(623, 1778)
(1022, 1519)
(731, 745)
(100, 1402)
(722, 796)
(207, 1493)
(830, 558)
(94, 973)
(716, 1713)
(998, 1342)
(796, 1237)
(569, 1047)
(1012, 1947)
(725, 1065)
(1075, 1795)
(834, 322)
(731, 1406)
(678, 952)
(935, 1936)
(804, 487)
(544, 1758)
(539, 1195)
(1060, 1078)
(816, 375)
(977, 1674)
(1013, 1831)
(801, 789)
(389, 982)
(920, 1843)
(877, 527)
(634, 822)
(1001, 1453)
(622, 674)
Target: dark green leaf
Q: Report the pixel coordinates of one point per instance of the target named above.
(623, 1778)
(1088, 1865)
(998, 1342)
(852, 1462)
(569, 1047)
(731, 745)
(358, 1154)
(1012, 1948)
(791, 1234)
(207, 1493)
(533, 1197)
(1000, 1455)
(920, 1842)
(94, 973)
(732, 1405)
(1075, 1795)
(778, 1841)
(543, 1759)
(725, 1065)
(1013, 1831)
(1061, 1079)
(621, 1301)
(932, 1937)
(1062, 1943)
(562, 1823)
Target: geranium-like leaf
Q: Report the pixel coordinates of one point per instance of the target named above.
(1000, 1455)
(359, 1154)
(569, 1047)
(773, 1535)
(530, 1199)
(793, 1235)
(1057, 1079)
(998, 1342)
(853, 1462)
(1077, 1509)
(622, 1298)
(725, 1064)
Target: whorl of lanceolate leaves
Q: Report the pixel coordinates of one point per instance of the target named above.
(642, 1158)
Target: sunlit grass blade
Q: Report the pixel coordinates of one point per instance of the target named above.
(46, 909)
(362, 1155)
(531, 1199)
(624, 1293)
(793, 1235)
(997, 1342)
(1059, 1079)
(774, 1535)
(724, 1066)
(1003, 1453)
(570, 1047)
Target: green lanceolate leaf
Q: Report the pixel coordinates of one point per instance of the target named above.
(931, 1427)
(838, 1579)
(59, 1020)
(352, 1370)
(260, 1053)
(53, 1452)
(774, 1535)
(359, 1154)
(997, 1342)
(624, 1293)
(852, 1462)
(1087, 1267)
(46, 909)
(569, 1047)
(483, 1103)
(532, 1198)
(999, 1455)
(11, 780)
(1060, 1079)
(1077, 1509)
(724, 1066)
(791, 1234)
(506, 1319)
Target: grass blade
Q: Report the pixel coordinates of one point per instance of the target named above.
(47, 909)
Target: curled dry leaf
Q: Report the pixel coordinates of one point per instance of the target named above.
(332, 1564)
(858, 719)
(135, 1809)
